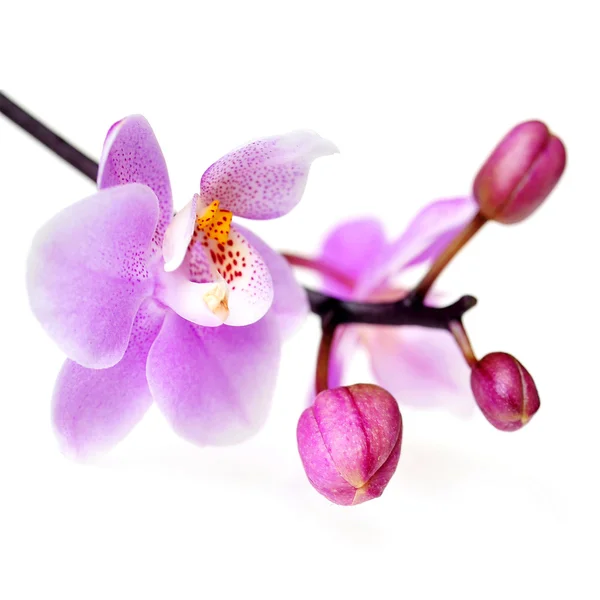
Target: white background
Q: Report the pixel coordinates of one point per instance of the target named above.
(415, 94)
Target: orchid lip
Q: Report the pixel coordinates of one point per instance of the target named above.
(215, 222)
(217, 298)
(200, 303)
(212, 275)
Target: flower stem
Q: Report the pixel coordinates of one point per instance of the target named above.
(84, 164)
(447, 255)
(328, 328)
(320, 267)
(457, 329)
(402, 312)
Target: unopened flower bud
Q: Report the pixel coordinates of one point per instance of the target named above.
(504, 391)
(520, 173)
(349, 442)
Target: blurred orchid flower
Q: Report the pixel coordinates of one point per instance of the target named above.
(418, 366)
(135, 296)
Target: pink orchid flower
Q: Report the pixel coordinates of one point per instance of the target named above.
(186, 311)
(418, 366)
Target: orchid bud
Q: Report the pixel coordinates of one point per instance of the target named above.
(349, 442)
(520, 173)
(504, 391)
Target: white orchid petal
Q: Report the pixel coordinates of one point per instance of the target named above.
(178, 235)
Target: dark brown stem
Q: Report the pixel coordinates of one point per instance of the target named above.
(447, 255)
(84, 164)
(402, 312)
(328, 328)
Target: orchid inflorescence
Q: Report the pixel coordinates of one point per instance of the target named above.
(189, 309)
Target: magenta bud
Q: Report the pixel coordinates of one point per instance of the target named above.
(520, 173)
(504, 391)
(349, 442)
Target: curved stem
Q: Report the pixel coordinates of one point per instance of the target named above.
(457, 329)
(402, 312)
(447, 255)
(328, 327)
(319, 267)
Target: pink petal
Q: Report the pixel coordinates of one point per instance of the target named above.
(214, 385)
(419, 366)
(94, 409)
(380, 480)
(266, 178)
(352, 249)
(131, 154)
(318, 463)
(438, 222)
(179, 234)
(89, 269)
(242, 268)
(290, 303)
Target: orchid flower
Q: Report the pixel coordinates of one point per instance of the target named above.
(418, 366)
(186, 311)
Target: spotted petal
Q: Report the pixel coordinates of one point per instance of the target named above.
(89, 270)
(266, 178)
(290, 302)
(131, 154)
(93, 409)
(242, 268)
(214, 385)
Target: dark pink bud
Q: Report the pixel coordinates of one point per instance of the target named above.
(520, 173)
(504, 391)
(349, 442)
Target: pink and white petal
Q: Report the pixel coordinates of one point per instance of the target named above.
(90, 268)
(251, 290)
(290, 302)
(243, 269)
(131, 154)
(214, 385)
(179, 234)
(191, 300)
(266, 178)
(351, 249)
(94, 409)
(420, 243)
(420, 367)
